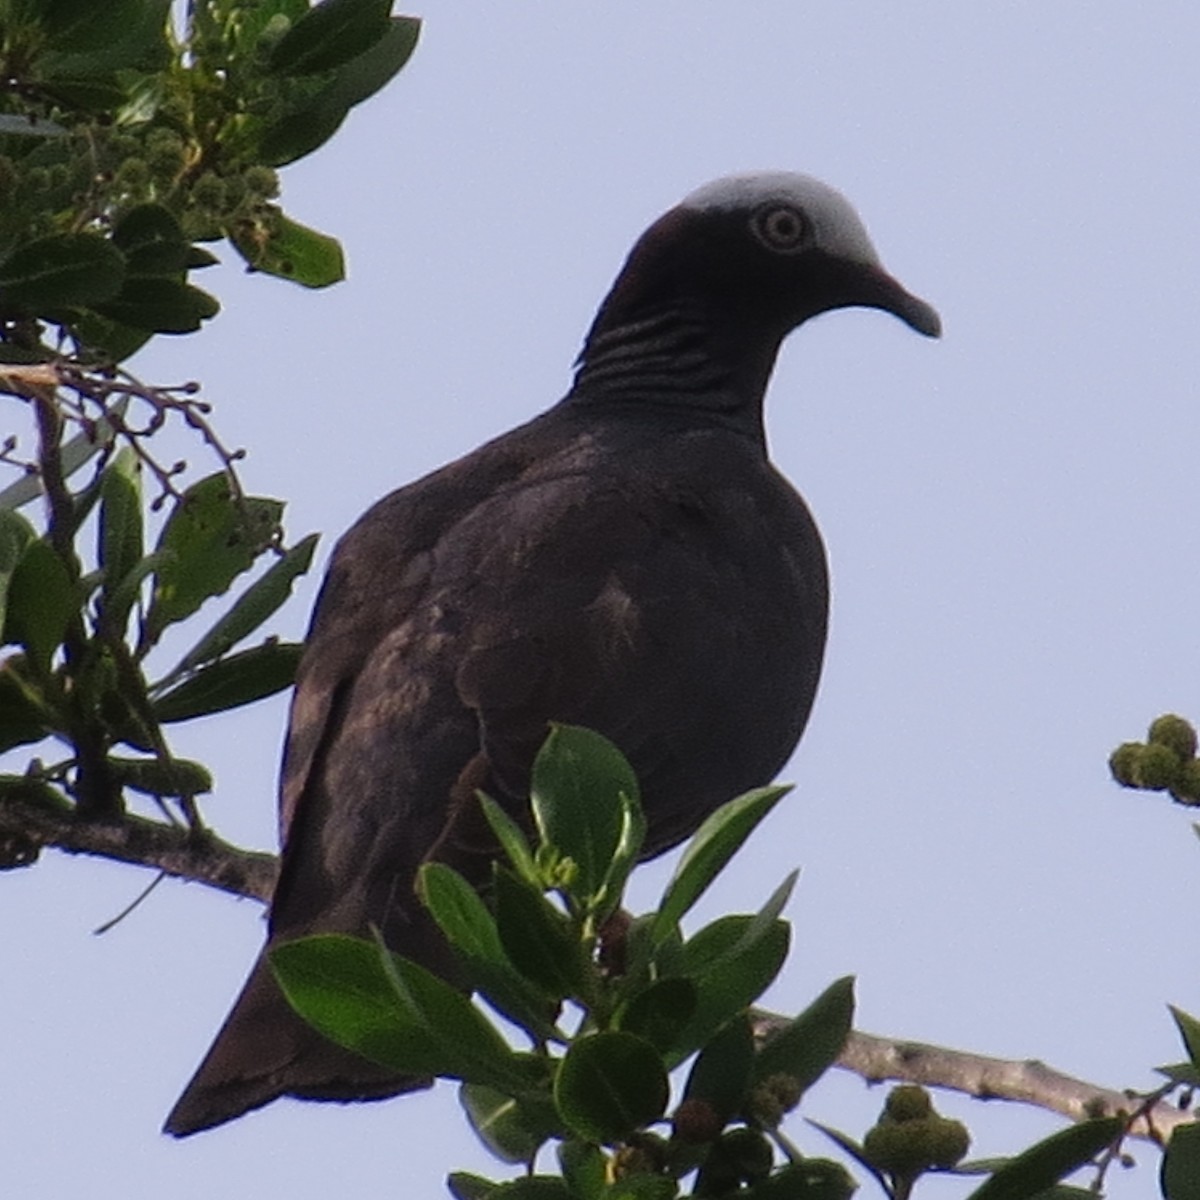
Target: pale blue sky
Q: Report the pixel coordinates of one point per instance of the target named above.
(1009, 513)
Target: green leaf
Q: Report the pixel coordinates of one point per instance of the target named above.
(41, 602)
(660, 1012)
(1189, 1030)
(329, 34)
(16, 534)
(311, 125)
(711, 847)
(465, 1186)
(537, 938)
(511, 838)
(1043, 1165)
(808, 1179)
(212, 537)
(120, 531)
(533, 1187)
(808, 1045)
(24, 718)
(471, 930)
(161, 777)
(1180, 1172)
(363, 76)
(732, 962)
(584, 1168)
(610, 1084)
(159, 305)
(89, 95)
(292, 251)
(513, 1131)
(577, 783)
(393, 1011)
(60, 270)
(252, 608)
(86, 25)
(152, 241)
(231, 682)
(134, 37)
(720, 1076)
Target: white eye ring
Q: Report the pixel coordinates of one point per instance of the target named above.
(782, 228)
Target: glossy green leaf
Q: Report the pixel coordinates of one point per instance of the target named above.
(392, 1011)
(16, 534)
(460, 913)
(363, 76)
(211, 538)
(159, 305)
(537, 938)
(711, 847)
(1185, 1073)
(121, 544)
(642, 1187)
(252, 608)
(293, 251)
(231, 682)
(1180, 1171)
(108, 339)
(41, 602)
(152, 241)
(1189, 1030)
(810, 1043)
(1043, 1165)
(576, 786)
(23, 716)
(86, 25)
(465, 1186)
(89, 95)
(609, 1085)
(305, 129)
(533, 1187)
(511, 838)
(808, 1179)
(584, 1168)
(732, 962)
(329, 34)
(660, 1012)
(721, 1074)
(513, 1131)
(135, 37)
(60, 270)
(161, 777)
(471, 930)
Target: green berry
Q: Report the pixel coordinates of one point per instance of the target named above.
(1186, 788)
(1122, 762)
(1157, 767)
(908, 1102)
(1176, 733)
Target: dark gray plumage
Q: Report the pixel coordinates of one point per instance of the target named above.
(628, 561)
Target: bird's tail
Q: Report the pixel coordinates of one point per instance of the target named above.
(263, 1051)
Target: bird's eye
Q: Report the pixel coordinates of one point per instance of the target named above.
(781, 227)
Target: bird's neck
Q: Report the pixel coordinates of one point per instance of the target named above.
(675, 356)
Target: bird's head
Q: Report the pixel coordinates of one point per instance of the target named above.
(740, 262)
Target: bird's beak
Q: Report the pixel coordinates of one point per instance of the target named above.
(886, 293)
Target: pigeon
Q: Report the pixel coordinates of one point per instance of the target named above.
(629, 561)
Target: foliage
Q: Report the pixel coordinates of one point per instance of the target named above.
(604, 1007)
(123, 144)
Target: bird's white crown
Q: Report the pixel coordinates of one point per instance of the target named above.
(837, 227)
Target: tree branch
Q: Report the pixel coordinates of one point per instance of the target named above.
(33, 815)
